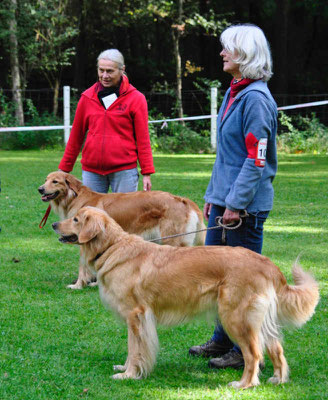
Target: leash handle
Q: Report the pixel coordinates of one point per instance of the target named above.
(45, 217)
(218, 221)
(231, 226)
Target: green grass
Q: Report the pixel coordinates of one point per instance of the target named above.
(61, 344)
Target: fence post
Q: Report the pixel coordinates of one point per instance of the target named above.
(67, 118)
(214, 102)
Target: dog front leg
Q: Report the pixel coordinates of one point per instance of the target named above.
(84, 274)
(142, 345)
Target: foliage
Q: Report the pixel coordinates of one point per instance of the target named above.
(61, 345)
(53, 31)
(213, 25)
(7, 111)
(175, 137)
(302, 135)
(205, 84)
(45, 33)
(27, 139)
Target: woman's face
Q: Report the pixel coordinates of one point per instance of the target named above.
(228, 65)
(108, 73)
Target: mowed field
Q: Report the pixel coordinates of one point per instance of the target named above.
(61, 344)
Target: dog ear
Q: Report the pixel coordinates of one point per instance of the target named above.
(90, 230)
(73, 183)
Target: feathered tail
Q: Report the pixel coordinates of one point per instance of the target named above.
(296, 303)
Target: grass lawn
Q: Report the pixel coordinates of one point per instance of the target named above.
(62, 344)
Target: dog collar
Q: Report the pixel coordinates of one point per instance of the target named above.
(45, 217)
(98, 256)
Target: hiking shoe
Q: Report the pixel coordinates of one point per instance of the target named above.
(231, 359)
(210, 349)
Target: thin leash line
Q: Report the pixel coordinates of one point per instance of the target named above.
(218, 221)
(183, 234)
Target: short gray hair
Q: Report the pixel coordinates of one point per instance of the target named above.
(112, 55)
(252, 48)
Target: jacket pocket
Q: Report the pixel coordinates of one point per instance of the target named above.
(91, 153)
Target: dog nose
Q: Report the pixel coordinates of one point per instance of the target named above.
(41, 189)
(55, 225)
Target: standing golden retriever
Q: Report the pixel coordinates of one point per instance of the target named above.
(148, 284)
(151, 215)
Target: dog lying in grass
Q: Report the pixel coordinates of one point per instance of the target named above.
(148, 284)
(152, 214)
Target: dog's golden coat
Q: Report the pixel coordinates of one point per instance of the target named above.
(151, 214)
(147, 284)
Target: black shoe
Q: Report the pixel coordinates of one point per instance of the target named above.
(231, 359)
(210, 349)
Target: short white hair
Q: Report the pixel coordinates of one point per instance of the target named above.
(251, 48)
(112, 55)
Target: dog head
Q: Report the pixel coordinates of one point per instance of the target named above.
(59, 185)
(87, 225)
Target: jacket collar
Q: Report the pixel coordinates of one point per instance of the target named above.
(125, 87)
(258, 85)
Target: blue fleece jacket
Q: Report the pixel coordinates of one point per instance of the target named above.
(242, 173)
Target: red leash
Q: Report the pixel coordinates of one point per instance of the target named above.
(44, 219)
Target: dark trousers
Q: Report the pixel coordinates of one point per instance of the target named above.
(248, 235)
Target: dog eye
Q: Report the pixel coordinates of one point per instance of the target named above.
(54, 181)
(75, 219)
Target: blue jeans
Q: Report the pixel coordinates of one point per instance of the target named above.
(249, 235)
(121, 181)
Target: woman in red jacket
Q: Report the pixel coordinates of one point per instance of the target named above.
(114, 115)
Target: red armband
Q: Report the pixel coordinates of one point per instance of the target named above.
(256, 148)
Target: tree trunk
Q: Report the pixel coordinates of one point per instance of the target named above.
(56, 95)
(176, 33)
(14, 64)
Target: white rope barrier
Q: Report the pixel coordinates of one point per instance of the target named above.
(164, 121)
(313, 104)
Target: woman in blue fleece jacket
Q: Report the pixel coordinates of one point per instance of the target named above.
(246, 161)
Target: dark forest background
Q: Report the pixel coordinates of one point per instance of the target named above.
(297, 32)
(168, 45)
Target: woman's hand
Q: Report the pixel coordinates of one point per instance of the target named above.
(230, 216)
(146, 183)
(207, 210)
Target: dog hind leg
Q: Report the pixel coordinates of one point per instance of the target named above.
(276, 354)
(252, 356)
(243, 325)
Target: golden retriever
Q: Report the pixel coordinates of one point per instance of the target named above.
(148, 284)
(151, 214)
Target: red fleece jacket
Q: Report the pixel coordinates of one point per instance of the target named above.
(117, 137)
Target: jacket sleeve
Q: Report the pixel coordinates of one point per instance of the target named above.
(258, 123)
(140, 119)
(76, 138)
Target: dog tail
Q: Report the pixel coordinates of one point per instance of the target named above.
(296, 303)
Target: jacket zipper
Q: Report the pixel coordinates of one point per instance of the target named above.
(103, 144)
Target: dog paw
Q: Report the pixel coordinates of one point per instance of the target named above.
(242, 385)
(119, 368)
(125, 375)
(275, 380)
(120, 376)
(92, 284)
(74, 287)
(235, 384)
